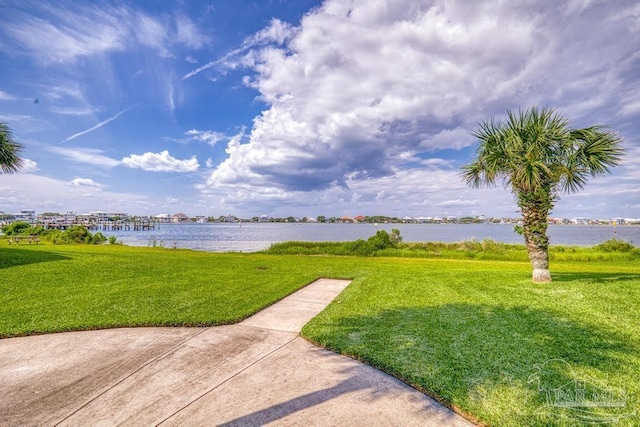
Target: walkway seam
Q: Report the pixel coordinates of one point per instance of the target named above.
(229, 379)
(131, 374)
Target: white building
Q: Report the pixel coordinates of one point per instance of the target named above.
(26, 215)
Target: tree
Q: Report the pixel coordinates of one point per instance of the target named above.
(10, 160)
(539, 156)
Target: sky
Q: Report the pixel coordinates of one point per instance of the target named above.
(302, 107)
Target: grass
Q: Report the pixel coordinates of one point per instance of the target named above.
(487, 249)
(475, 334)
(48, 288)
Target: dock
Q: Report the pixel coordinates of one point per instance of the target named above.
(101, 225)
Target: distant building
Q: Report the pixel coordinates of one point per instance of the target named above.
(26, 215)
(66, 218)
(163, 217)
(105, 216)
(179, 217)
(264, 218)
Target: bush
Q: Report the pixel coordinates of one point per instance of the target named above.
(381, 240)
(395, 236)
(615, 245)
(77, 235)
(97, 238)
(359, 247)
(15, 228)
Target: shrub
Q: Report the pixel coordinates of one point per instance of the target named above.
(15, 228)
(113, 240)
(359, 247)
(615, 245)
(395, 236)
(97, 238)
(39, 230)
(381, 240)
(77, 235)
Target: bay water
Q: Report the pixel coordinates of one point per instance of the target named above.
(252, 237)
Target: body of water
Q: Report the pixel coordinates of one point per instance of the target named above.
(251, 237)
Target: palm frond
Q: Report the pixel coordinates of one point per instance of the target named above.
(536, 149)
(10, 150)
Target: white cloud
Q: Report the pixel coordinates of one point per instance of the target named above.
(29, 166)
(4, 96)
(85, 155)
(458, 202)
(361, 91)
(437, 163)
(74, 111)
(31, 191)
(277, 32)
(61, 35)
(98, 32)
(188, 34)
(161, 162)
(17, 118)
(210, 137)
(84, 182)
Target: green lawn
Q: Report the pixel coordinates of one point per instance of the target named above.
(475, 334)
(480, 337)
(47, 288)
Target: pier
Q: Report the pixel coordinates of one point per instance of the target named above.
(101, 225)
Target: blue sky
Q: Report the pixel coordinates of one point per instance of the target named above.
(301, 107)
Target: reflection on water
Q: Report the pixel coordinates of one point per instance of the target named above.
(251, 237)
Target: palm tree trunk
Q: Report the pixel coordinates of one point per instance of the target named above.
(535, 237)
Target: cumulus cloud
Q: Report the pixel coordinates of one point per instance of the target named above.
(29, 166)
(161, 162)
(359, 91)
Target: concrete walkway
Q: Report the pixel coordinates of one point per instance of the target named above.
(253, 373)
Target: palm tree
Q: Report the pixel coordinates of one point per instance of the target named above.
(10, 160)
(539, 156)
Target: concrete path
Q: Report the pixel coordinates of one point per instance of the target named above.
(256, 372)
